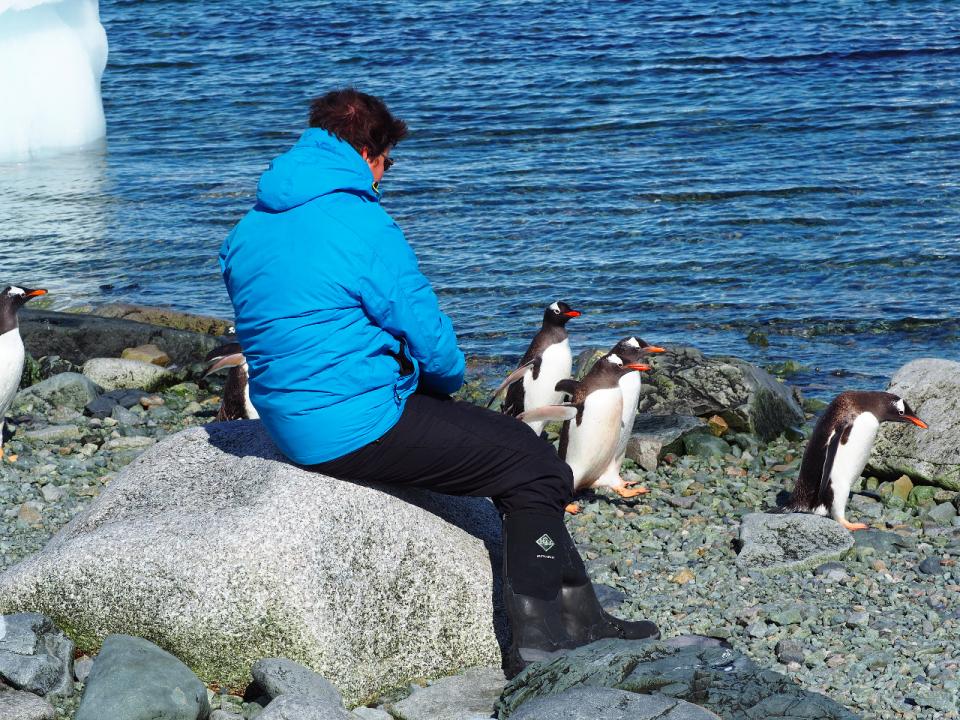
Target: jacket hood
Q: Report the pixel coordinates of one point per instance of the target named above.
(319, 164)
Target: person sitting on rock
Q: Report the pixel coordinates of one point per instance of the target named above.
(351, 364)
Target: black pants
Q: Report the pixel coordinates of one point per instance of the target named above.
(458, 448)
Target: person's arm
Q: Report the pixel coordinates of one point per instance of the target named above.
(399, 299)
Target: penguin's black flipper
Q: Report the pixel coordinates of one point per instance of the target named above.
(511, 379)
(839, 435)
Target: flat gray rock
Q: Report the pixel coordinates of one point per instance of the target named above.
(686, 382)
(883, 542)
(68, 389)
(214, 546)
(53, 434)
(35, 655)
(298, 707)
(473, 693)
(656, 435)
(790, 542)
(279, 676)
(592, 703)
(932, 456)
(133, 679)
(695, 669)
(368, 713)
(120, 374)
(20, 705)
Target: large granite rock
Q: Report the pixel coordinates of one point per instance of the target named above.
(35, 655)
(686, 382)
(932, 388)
(790, 542)
(133, 679)
(697, 670)
(215, 548)
(78, 337)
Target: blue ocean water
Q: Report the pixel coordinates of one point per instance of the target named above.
(691, 171)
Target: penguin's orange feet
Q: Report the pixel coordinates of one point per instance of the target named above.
(629, 492)
(572, 508)
(853, 526)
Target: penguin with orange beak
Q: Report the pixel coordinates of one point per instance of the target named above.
(592, 419)
(839, 449)
(631, 350)
(546, 362)
(12, 354)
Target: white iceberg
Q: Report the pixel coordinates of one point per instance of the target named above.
(52, 56)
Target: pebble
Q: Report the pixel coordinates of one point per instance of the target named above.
(130, 441)
(790, 652)
(833, 571)
(857, 619)
(82, 667)
(930, 566)
(53, 493)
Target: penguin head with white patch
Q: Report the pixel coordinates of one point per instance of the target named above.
(614, 364)
(632, 349)
(894, 408)
(559, 313)
(12, 298)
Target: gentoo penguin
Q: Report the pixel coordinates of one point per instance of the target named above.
(630, 350)
(839, 449)
(591, 431)
(545, 363)
(235, 404)
(11, 346)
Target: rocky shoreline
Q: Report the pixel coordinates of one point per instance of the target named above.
(874, 629)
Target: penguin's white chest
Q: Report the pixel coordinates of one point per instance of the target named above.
(251, 411)
(852, 455)
(630, 387)
(555, 365)
(592, 444)
(11, 368)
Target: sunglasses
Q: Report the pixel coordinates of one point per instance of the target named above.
(388, 163)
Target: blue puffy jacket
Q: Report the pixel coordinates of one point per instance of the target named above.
(337, 322)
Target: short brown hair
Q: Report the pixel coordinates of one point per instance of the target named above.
(359, 119)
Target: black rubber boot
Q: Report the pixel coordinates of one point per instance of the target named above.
(532, 571)
(584, 619)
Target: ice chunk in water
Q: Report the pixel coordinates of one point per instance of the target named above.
(52, 55)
